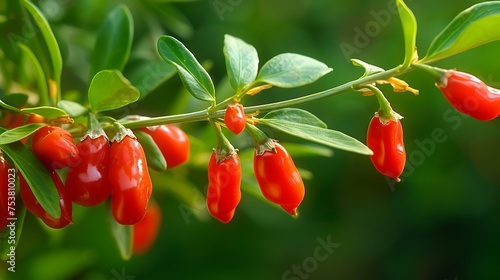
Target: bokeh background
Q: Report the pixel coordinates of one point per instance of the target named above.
(441, 222)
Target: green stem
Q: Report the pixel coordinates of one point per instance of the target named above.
(385, 109)
(218, 110)
(224, 148)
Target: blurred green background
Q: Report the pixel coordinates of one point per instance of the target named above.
(441, 222)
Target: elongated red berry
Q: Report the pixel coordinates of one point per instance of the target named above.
(469, 95)
(385, 139)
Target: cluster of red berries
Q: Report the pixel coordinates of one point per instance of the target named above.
(98, 169)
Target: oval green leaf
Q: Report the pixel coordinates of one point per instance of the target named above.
(409, 24)
(328, 137)
(154, 157)
(46, 111)
(122, 234)
(295, 115)
(110, 90)
(19, 133)
(74, 109)
(290, 70)
(36, 175)
(242, 62)
(114, 41)
(471, 28)
(193, 75)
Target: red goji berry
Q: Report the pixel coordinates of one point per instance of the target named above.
(34, 206)
(54, 146)
(146, 231)
(385, 139)
(223, 193)
(279, 179)
(131, 185)
(173, 143)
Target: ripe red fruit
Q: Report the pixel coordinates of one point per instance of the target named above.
(173, 143)
(129, 179)
(279, 179)
(54, 147)
(87, 179)
(223, 193)
(146, 231)
(34, 206)
(234, 118)
(385, 139)
(469, 95)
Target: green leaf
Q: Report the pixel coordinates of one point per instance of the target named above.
(19, 133)
(409, 31)
(295, 115)
(50, 42)
(8, 107)
(16, 99)
(307, 150)
(290, 70)
(74, 109)
(46, 111)
(43, 91)
(369, 69)
(114, 41)
(242, 62)
(109, 90)
(152, 76)
(36, 175)
(331, 138)
(154, 156)
(471, 28)
(193, 76)
(173, 19)
(122, 234)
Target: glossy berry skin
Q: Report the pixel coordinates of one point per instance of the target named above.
(386, 142)
(234, 118)
(34, 206)
(279, 179)
(223, 193)
(146, 231)
(173, 143)
(131, 185)
(54, 147)
(469, 95)
(87, 179)
(4, 190)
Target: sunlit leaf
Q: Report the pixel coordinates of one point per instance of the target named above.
(471, 28)
(193, 76)
(74, 109)
(295, 115)
(19, 133)
(109, 90)
(242, 62)
(290, 70)
(331, 138)
(46, 111)
(409, 31)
